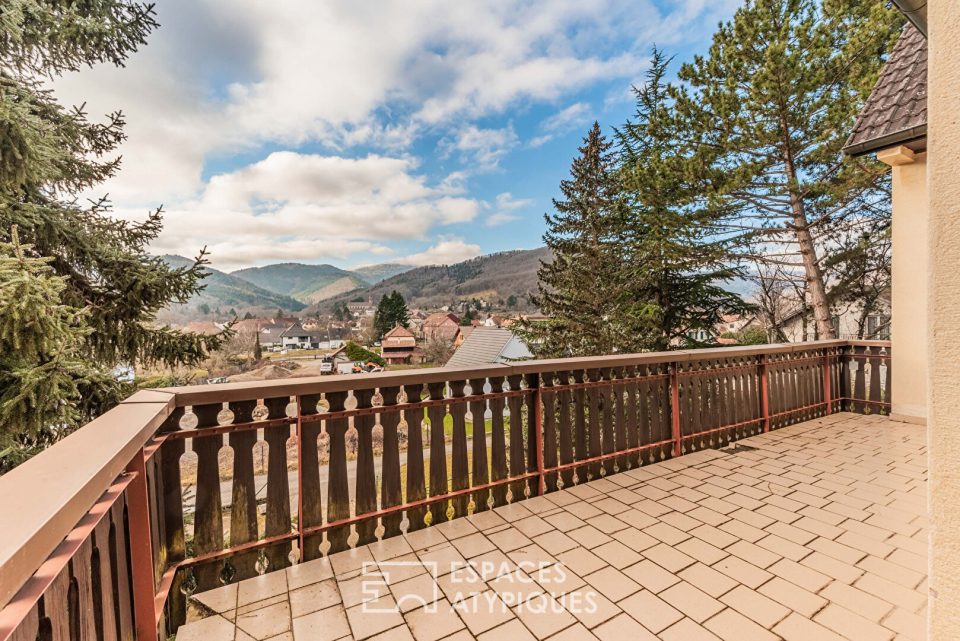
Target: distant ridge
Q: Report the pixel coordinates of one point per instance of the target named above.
(373, 274)
(306, 283)
(493, 277)
(225, 292)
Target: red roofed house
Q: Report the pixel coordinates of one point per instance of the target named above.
(399, 346)
(442, 326)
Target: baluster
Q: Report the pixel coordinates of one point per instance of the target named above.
(534, 432)
(620, 418)
(416, 478)
(593, 423)
(517, 463)
(549, 438)
(80, 572)
(633, 437)
(278, 484)
(208, 519)
(390, 491)
(56, 608)
(566, 437)
(243, 510)
(580, 424)
(874, 379)
(29, 628)
(309, 498)
(438, 453)
(366, 488)
(888, 387)
(481, 473)
(101, 541)
(498, 448)
(118, 558)
(173, 545)
(647, 425)
(661, 411)
(607, 413)
(338, 489)
(859, 384)
(459, 465)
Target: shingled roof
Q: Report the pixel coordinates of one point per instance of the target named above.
(896, 111)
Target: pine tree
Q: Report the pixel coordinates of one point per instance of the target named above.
(49, 154)
(391, 312)
(45, 375)
(675, 259)
(770, 107)
(582, 288)
(257, 349)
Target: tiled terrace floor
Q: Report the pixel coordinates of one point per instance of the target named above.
(818, 533)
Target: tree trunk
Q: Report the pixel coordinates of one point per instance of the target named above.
(814, 275)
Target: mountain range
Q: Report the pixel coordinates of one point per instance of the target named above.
(296, 286)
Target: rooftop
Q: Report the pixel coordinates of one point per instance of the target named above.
(815, 531)
(896, 111)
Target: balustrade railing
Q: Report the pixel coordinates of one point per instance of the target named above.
(195, 487)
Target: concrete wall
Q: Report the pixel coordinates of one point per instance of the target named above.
(943, 309)
(908, 330)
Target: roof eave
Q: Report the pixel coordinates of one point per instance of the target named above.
(913, 134)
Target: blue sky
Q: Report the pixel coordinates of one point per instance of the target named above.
(357, 133)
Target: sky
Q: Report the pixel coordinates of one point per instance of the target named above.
(355, 133)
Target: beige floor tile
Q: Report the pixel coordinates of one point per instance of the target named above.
(668, 557)
(509, 539)
(322, 625)
(373, 617)
(510, 630)
(212, 628)
(701, 550)
(754, 605)
(612, 583)
(687, 630)
(850, 625)
(581, 561)
(651, 576)
(362, 588)
(856, 600)
(484, 612)
(415, 592)
(693, 602)
(263, 623)
(531, 557)
(555, 542)
(617, 554)
(543, 615)
(573, 633)
(310, 572)
(390, 548)
(623, 627)
(650, 610)
(515, 588)
(473, 544)
(583, 510)
(433, 622)
(425, 538)
(492, 564)
(753, 554)
(707, 579)
(792, 596)
(895, 593)
(442, 560)
(218, 600)
(486, 520)
(456, 528)
(589, 606)
(261, 587)
(637, 518)
(557, 579)
(589, 536)
(832, 567)
(907, 624)
(350, 560)
(399, 633)
(892, 571)
(730, 625)
(313, 597)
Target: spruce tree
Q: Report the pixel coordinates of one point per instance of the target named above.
(582, 288)
(391, 311)
(47, 382)
(676, 259)
(770, 108)
(49, 154)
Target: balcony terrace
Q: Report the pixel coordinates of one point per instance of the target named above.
(732, 493)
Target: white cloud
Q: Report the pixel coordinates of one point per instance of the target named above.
(561, 122)
(292, 206)
(446, 251)
(504, 209)
(481, 149)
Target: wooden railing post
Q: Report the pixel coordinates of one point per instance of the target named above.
(764, 393)
(827, 397)
(675, 408)
(538, 431)
(141, 550)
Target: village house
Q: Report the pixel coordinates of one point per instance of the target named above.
(298, 337)
(440, 326)
(399, 347)
(488, 346)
